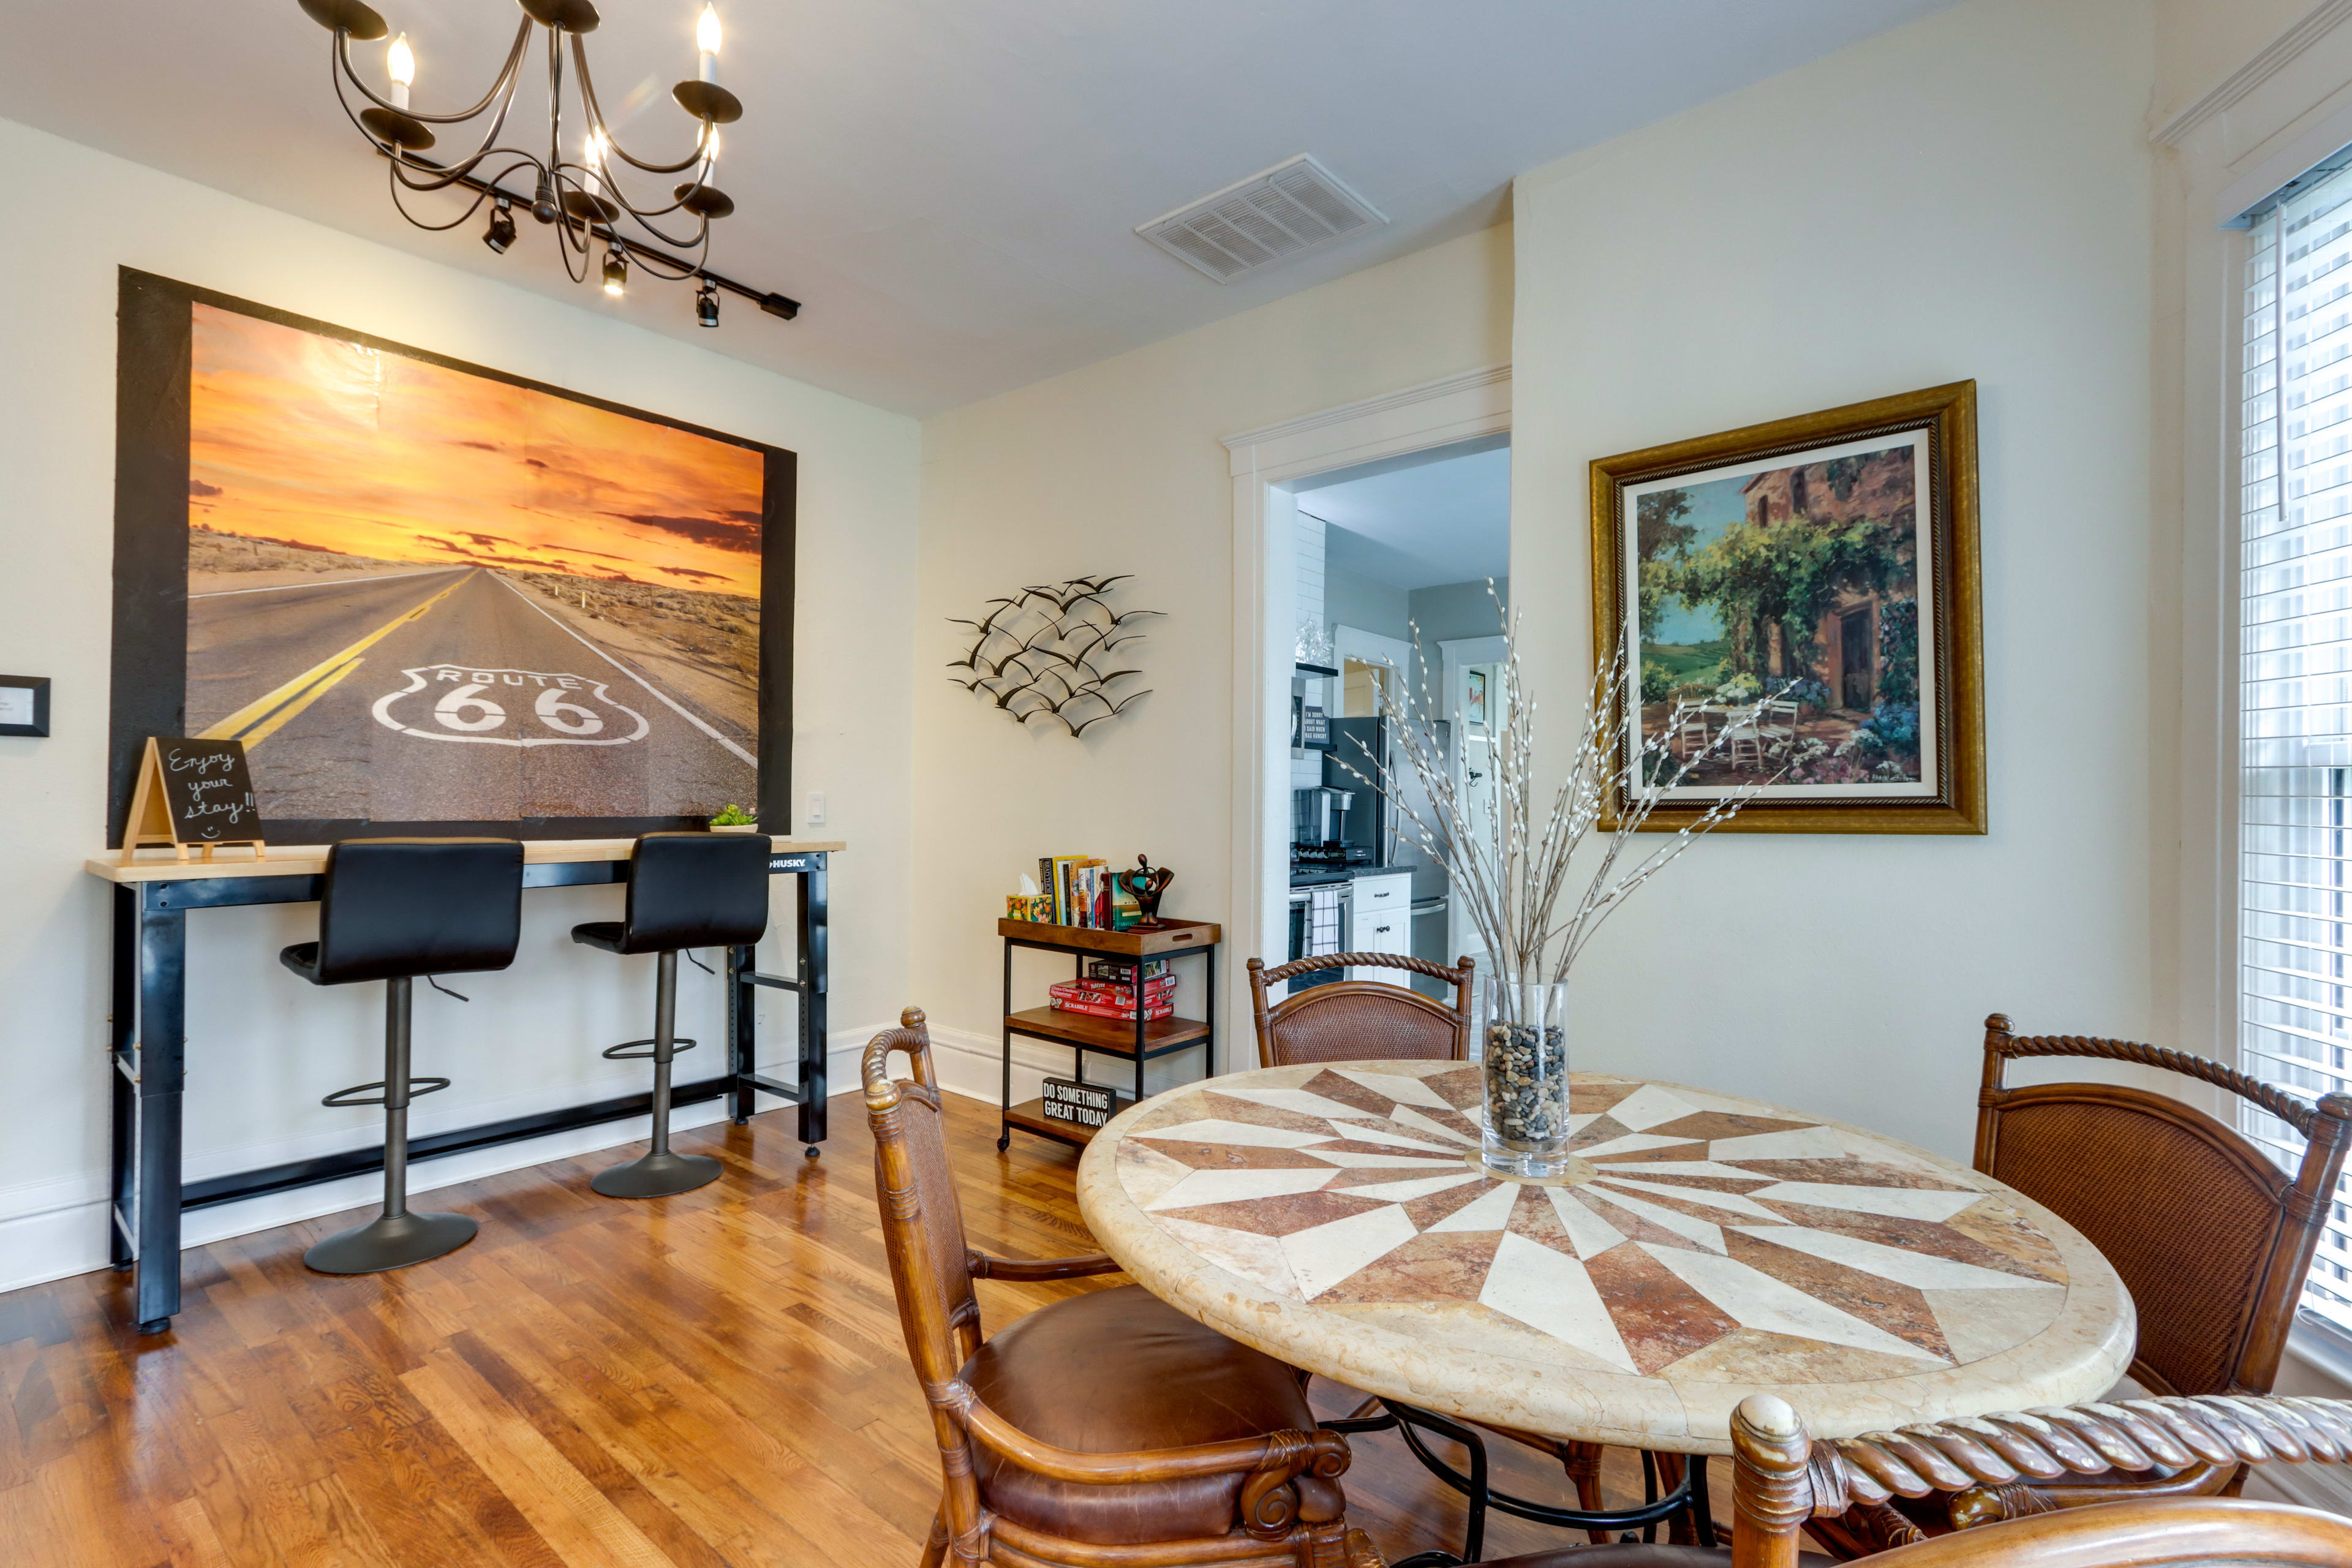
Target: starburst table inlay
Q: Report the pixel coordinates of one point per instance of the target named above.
(1327, 1215)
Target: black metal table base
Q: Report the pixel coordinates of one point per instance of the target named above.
(1410, 1423)
(147, 1050)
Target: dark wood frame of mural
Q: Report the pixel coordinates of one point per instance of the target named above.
(1949, 414)
(149, 687)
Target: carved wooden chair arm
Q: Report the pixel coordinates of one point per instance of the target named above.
(1995, 1451)
(983, 1267)
(1983, 1504)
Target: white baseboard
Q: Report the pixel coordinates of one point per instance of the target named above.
(49, 1230)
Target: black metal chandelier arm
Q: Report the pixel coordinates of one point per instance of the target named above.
(654, 262)
(600, 182)
(335, 79)
(401, 206)
(463, 175)
(505, 82)
(597, 121)
(453, 174)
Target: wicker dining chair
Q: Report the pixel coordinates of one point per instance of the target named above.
(1105, 1429)
(1359, 1020)
(1780, 1479)
(2210, 1236)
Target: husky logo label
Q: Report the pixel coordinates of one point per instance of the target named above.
(508, 708)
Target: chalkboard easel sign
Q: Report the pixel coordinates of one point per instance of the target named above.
(192, 793)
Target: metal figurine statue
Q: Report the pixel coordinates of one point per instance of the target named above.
(1144, 885)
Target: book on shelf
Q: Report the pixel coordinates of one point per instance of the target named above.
(1082, 891)
(1122, 969)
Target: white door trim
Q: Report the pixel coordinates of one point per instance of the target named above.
(1262, 463)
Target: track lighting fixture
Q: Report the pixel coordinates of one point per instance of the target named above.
(502, 227)
(616, 271)
(706, 305)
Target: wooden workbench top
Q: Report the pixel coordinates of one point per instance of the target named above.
(310, 859)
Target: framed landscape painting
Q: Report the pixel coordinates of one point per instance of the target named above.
(1800, 600)
(430, 597)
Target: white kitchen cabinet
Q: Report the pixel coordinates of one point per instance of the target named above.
(1380, 920)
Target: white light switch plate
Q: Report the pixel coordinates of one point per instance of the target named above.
(816, 808)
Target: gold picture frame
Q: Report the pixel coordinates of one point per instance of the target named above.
(1859, 619)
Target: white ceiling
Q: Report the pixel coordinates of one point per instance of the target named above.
(1446, 521)
(949, 185)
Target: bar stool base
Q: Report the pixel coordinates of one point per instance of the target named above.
(386, 1242)
(657, 1176)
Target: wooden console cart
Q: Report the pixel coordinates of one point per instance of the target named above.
(1138, 1042)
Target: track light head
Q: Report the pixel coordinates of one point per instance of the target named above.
(706, 305)
(616, 271)
(502, 228)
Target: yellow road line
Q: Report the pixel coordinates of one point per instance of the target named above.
(258, 720)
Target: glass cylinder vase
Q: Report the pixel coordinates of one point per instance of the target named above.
(1523, 1064)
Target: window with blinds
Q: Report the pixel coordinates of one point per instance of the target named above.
(2295, 694)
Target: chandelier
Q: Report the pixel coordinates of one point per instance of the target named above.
(580, 197)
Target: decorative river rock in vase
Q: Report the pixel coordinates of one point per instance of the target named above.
(1525, 1067)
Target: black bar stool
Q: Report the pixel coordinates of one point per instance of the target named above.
(394, 909)
(686, 890)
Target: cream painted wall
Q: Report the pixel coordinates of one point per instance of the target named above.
(1118, 468)
(262, 1045)
(1968, 196)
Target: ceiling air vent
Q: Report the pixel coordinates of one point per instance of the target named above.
(1291, 208)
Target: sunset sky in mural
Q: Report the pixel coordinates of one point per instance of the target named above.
(316, 441)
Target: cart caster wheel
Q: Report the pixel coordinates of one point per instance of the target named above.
(122, 1268)
(809, 1152)
(1004, 1142)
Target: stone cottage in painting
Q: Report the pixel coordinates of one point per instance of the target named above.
(1871, 486)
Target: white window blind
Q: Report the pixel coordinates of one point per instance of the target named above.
(2295, 697)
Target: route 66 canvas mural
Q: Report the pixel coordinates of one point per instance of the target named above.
(425, 595)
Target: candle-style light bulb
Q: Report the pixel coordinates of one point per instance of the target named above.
(593, 149)
(706, 40)
(710, 143)
(400, 64)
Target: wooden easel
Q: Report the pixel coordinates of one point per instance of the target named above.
(151, 825)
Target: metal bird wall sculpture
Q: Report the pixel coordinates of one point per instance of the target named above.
(1035, 653)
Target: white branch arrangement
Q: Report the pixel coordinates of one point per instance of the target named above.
(1512, 872)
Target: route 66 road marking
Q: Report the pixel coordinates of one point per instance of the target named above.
(509, 708)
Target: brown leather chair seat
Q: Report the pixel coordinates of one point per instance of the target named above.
(1118, 1372)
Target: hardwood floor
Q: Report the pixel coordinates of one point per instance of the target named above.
(707, 1379)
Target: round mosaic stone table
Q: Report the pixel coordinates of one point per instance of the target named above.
(1335, 1216)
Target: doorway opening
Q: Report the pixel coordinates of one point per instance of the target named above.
(1401, 577)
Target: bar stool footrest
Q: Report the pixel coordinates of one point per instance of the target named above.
(627, 1051)
(418, 1088)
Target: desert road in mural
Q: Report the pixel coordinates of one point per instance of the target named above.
(456, 694)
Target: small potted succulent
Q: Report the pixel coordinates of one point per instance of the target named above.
(734, 820)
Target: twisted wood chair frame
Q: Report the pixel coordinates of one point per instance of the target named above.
(1781, 1481)
(1270, 1018)
(943, 1331)
(2296, 1210)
